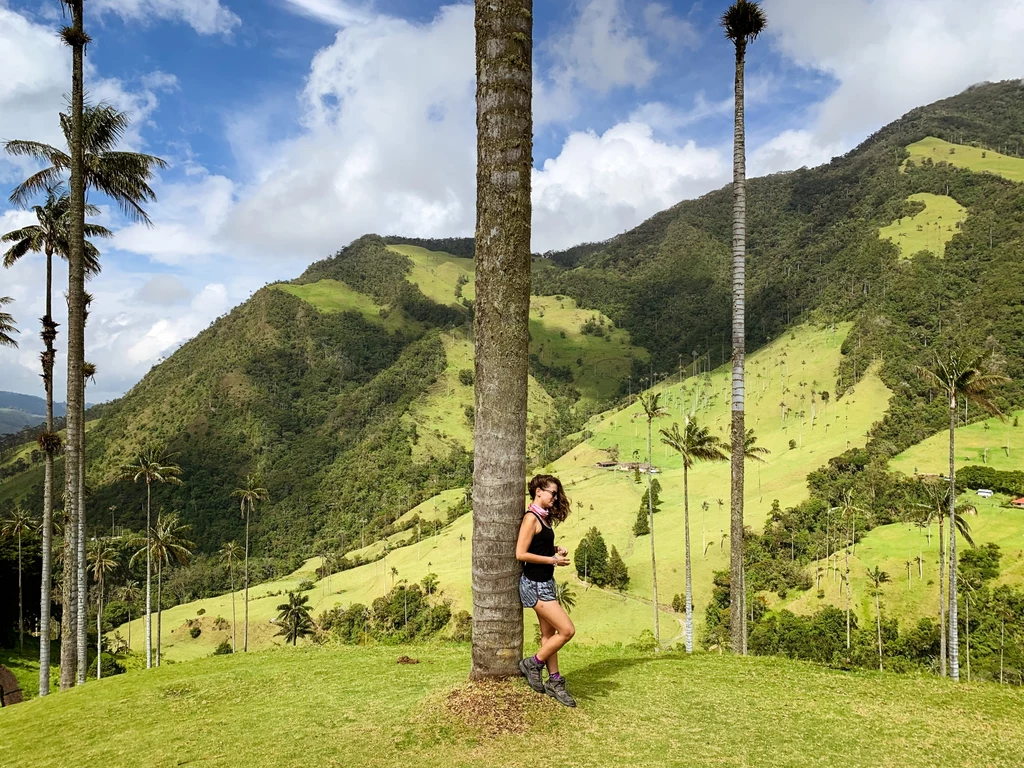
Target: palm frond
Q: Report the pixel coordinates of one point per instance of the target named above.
(743, 21)
(7, 326)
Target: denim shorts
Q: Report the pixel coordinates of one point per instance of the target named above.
(531, 591)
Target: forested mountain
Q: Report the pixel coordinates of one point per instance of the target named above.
(18, 411)
(318, 397)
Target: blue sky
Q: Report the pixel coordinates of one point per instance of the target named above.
(293, 126)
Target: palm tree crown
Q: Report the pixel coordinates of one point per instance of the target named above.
(294, 617)
(122, 176)
(7, 326)
(694, 443)
(965, 374)
(753, 451)
(250, 493)
(52, 234)
(743, 22)
(153, 467)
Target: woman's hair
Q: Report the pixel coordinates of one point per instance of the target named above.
(561, 507)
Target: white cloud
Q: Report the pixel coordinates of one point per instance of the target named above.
(661, 23)
(599, 186)
(334, 12)
(207, 17)
(163, 290)
(892, 56)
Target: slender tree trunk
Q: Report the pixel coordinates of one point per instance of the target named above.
(82, 576)
(99, 632)
(46, 578)
(504, 69)
(739, 251)
(149, 576)
(686, 536)
(650, 524)
(129, 627)
(849, 596)
(21, 611)
(967, 628)
(245, 630)
(942, 600)
(954, 628)
(878, 621)
(159, 605)
(77, 39)
(234, 623)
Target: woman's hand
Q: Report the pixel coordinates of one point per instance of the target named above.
(562, 551)
(561, 559)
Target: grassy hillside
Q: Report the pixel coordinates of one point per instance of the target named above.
(965, 156)
(927, 230)
(609, 500)
(356, 705)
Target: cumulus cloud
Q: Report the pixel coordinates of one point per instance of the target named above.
(334, 12)
(207, 17)
(892, 56)
(163, 290)
(600, 185)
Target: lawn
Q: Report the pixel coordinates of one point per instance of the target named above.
(928, 230)
(356, 706)
(972, 158)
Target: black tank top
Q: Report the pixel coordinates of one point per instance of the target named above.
(543, 544)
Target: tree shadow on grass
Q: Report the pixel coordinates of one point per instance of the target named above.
(596, 681)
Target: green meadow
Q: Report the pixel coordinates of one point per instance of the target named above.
(636, 709)
(964, 156)
(928, 230)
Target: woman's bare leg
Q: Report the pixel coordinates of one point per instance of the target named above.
(547, 631)
(551, 611)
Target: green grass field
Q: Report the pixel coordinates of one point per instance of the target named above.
(356, 706)
(972, 158)
(437, 273)
(928, 230)
(336, 296)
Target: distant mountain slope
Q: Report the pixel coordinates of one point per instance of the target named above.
(18, 411)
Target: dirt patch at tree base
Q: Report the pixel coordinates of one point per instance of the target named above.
(498, 707)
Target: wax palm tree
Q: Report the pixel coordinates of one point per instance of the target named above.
(651, 409)
(294, 618)
(248, 495)
(878, 578)
(693, 444)
(164, 544)
(88, 372)
(504, 92)
(130, 593)
(7, 326)
(17, 525)
(565, 595)
(961, 375)
(104, 559)
(230, 553)
(848, 510)
(742, 22)
(937, 495)
(153, 467)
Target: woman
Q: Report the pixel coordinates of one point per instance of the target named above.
(536, 550)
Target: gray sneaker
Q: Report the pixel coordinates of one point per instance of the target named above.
(556, 688)
(531, 671)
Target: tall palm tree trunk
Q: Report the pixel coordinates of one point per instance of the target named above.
(82, 575)
(878, 623)
(954, 629)
(504, 70)
(234, 623)
(849, 598)
(942, 601)
(149, 578)
(46, 578)
(689, 582)
(159, 605)
(738, 433)
(245, 631)
(21, 611)
(75, 37)
(99, 631)
(650, 524)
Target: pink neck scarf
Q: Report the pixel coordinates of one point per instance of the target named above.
(539, 510)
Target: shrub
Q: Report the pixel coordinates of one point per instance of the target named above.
(305, 585)
(792, 445)
(200, 612)
(466, 377)
(591, 558)
(223, 649)
(195, 632)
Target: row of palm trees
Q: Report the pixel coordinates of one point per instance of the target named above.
(90, 161)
